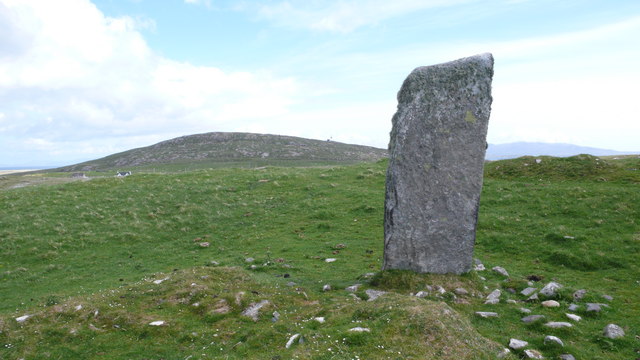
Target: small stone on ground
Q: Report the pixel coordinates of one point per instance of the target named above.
(486, 314)
(531, 318)
(359, 329)
(558, 324)
(574, 317)
(374, 294)
(613, 331)
(516, 344)
(550, 289)
(550, 304)
(533, 354)
(500, 270)
(550, 339)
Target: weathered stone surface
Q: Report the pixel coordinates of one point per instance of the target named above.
(500, 270)
(486, 314)
(550, 289)
(434, 178)
(550, 339)
(613, 331)
(374, 294)
(533, 354)
(516, 344)
(567, 357)
(494, 297)
(550, 303)
(531, 318)
(528, 291)
(558, 324)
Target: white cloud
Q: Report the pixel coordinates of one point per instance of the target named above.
(83, 77)
(342, 16)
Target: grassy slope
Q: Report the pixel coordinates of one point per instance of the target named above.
(88, 237)
(217, 149)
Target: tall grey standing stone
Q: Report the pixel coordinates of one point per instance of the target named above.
(437, 149)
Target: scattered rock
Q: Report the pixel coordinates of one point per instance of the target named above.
(500, 270)
(550, 289)
(516, 344)
(528, 291)
(550, 339)
(579, 294)
(326, 287)
(613, 331)
(330, 260)
(222, 307)
(504, 353)
(533, 297)
(319, 319)
(479, 267)
(204, 244)
(249, 260)
(591, 307)
(461, 291)
(531, 318)
(493, 297)
(353, 288)
(422, 294)
(291, 340)
(607, 297)
(573, 307)
(525, 310)
(291, 283)
(574, 317)
(157, 323)
(440, 290)
(511, 301)
(550, 304)
(558, 324)
(214, 263)
(160, 281)
(359, 329)
(275, 316)
(78, 307)
(340, 246)
(374, 294)
(567, 357)
(533, 354)
(486, 314)
(253, 310)
(22, 318)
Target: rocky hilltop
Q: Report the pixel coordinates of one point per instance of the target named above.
(233, 147)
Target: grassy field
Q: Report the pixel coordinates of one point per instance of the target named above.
(80, 258)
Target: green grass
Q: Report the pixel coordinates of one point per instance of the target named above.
(92, 242)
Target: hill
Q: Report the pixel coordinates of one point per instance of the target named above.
(219, 148)
(518, 149)
(92, 264)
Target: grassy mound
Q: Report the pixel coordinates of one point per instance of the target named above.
(199, 314)
(580, 167)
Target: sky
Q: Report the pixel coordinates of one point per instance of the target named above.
(83, 79)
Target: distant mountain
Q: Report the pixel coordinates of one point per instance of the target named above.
(518, 149)
(220, 147)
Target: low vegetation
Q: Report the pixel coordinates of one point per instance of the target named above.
(81, 259)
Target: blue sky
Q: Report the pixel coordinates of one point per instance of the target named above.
(83, 79)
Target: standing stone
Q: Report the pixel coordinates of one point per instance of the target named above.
(434, 179)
